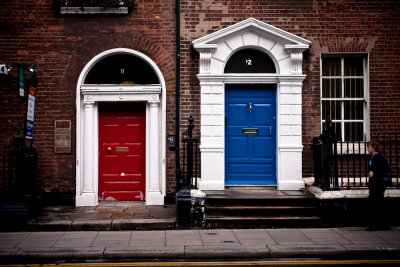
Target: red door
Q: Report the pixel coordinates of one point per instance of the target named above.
(122, 149)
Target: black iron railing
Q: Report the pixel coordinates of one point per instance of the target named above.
(18, 169)
(340, 164)
(352, 158)
(190, 157)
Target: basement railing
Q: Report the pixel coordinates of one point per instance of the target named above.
(343, 164)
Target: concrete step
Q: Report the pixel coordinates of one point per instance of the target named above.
(261, 221)
(258, 207)
(260, 218)
(248, 210)
(283, 201)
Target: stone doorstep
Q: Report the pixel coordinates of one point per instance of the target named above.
(103, 225)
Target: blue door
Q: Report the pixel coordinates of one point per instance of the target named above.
(250, 134)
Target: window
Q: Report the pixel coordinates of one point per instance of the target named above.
(343, 95)
(77, 7)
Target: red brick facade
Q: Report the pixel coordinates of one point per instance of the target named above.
(60, 46)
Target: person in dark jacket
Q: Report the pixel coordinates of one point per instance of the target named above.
(377, 172)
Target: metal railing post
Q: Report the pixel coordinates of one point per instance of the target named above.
(397, 162)
(189, 172)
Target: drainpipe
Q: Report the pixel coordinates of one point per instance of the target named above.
(177, 93)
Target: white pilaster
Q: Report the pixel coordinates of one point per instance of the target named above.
(154, 195)
(212, 136)
(88, 195)
(290, 146)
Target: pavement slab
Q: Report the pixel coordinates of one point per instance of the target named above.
(41, 239)
(392, 237)
(109, 239)
(225, 237)
(76, 239)
(148, 238)
(12, 239)
(324, 237)
(360, 236)
(253, 237)
(183, 238)
(289, 236)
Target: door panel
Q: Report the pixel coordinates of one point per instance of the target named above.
(250, 134)
(122, 146)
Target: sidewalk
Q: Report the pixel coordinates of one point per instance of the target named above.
(352, 242)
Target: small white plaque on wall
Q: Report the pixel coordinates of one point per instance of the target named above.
(62, 136)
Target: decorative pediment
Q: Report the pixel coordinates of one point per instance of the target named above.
(283, 47)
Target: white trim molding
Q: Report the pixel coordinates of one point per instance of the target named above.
(87, 99)
(286, 51)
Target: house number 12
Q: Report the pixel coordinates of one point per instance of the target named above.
(248, 62)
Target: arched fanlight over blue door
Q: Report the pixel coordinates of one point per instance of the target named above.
(250, 61)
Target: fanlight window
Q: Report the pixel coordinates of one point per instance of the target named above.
(122, 69)
(250, 61)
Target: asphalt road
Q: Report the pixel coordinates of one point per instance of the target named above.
(269, 263)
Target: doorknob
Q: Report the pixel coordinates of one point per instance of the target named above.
(122, 174)
(108, 148)
(270, 130)
(250, 107)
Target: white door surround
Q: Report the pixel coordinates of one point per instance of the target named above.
(286, 51)
(87, 99)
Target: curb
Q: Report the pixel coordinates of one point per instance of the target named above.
(101, 225)
(199, 252)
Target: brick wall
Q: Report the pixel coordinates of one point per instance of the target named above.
(334, 26)
(60, 46)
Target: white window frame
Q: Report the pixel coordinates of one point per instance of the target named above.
(365, 78)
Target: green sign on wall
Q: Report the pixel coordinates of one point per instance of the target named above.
(21, 81)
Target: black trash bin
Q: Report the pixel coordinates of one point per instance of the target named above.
(25, 170)
(183, 208)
